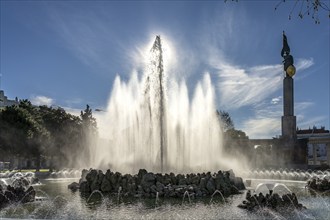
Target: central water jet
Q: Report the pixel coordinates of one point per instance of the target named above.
(151, 122)
(156, 75)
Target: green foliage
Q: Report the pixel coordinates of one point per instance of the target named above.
(88, 121)
(234, 134)
(20, 130)
(89, 130)
(35, 131)
(65, 132)
(235, 141)
(225, 120)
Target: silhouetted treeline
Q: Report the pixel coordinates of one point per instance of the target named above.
(235, 142)
(28, 131)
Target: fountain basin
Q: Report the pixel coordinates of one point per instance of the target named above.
(60, 203)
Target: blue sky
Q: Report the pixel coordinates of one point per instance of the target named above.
(67, 53)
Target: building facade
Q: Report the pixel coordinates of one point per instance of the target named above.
(318, 145)
(4, 101)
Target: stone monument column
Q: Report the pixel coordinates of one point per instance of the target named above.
(288, 118)
(289, 134)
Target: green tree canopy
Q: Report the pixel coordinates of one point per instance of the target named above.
(35, 131)
(225, 120)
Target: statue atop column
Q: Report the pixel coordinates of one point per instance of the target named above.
(289, 68)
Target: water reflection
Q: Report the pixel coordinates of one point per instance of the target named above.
(60, 203)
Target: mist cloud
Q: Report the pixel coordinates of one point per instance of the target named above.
(41, 100)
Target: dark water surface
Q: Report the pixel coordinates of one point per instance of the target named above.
(58, 202)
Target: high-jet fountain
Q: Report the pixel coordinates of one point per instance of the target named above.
(152, 123)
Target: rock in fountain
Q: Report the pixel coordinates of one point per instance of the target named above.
(19, 192)
(271, 200)
(147, 184)
(319, 184)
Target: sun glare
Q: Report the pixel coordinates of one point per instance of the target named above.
(169, 52)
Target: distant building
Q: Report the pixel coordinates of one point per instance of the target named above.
(318, 145)
(4, 101)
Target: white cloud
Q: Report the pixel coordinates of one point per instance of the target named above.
(88, 37)
(73, 111)
(304, 123)
(301, 106)
(41, 100)
(239, 87)
(261, 127)
(74, 101)
(252, 86)
(247, 87)
(302, 64)
(276, 100)
(266, 121)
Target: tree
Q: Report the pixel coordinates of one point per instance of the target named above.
(14, 129)
(88, 121)
(306, 8)
(89, 134)
(236, 134)
(65, 135)
(234, 140)
(225, 120)
(39, 131)
(21, 132)
(38, 143)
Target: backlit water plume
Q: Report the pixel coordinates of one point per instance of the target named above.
(157, 127)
